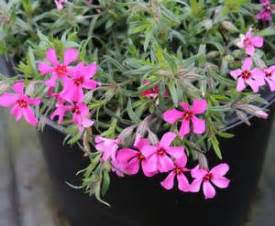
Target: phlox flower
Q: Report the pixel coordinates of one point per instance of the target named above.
(60, 4)
(250, 42)
(21, 103)
(81, 115)
(188, 116)
(80, 79)
(108, 147)
(132, 158)
(159, 157)
(57, 70)
(60, 111)
(207, 178)
(266, 12)
(153, 92)
(247, 76)
(270, 77)
(178, 171)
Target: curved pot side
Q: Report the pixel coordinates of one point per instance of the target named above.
(140, 201)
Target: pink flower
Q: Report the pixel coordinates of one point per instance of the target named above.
(187, 116)
(266, 12)
(80, 79)
(108, 147)
(270, 77)
(207, 178)
(81, 116)
(131, 159)
(55, 68)
(60, 111)
(250, 42)
(245, 76)
(178, 171)
(21, 103)
(153, 92)
(160, 156)
(60, 4)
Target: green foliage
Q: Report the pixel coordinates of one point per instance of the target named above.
(184, 48)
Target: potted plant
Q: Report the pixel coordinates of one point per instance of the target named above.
(144, 97)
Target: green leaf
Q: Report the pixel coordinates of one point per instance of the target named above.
(173, 92)
(105, 182)
(270, 31)
(216, 146)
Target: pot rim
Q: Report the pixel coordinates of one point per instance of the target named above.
(233, 122)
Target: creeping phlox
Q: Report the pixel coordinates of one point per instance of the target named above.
(70, 81)
(248, 74)
(162, 158)
(265, 13)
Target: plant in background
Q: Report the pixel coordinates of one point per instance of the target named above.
(140, 85)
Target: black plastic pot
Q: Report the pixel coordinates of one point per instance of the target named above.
(139, 201)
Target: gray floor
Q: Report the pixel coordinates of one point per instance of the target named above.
(25, 191)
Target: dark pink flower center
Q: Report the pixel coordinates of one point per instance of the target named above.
(79, 81)
(76, 109)
(246, 74)
(208, 177)
(22, 103)
(247, 42)
(187, 115)
(161, 152)
(61, 70)
(178, 170)
(140, 156)
(268, 74)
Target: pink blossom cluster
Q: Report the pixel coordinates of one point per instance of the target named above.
(248, 74)
(162, 158)
(266, 12)
(21, 104)
(74, 80)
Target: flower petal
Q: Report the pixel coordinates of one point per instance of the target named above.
(177, 153)
(240, 85)
(70, 55)
(208, 190)
(199, 106)
(167, 139)
(220, 169)
(125, 154)
(195, 185)
(149, 166)
(247, 63)
(185, 128)
(236, 73)
(220, 182)
(183, 183)
(44, 68)
(51, 56)
(8, 99)
(19, 88)
(258, 41)
(16, 112)
(165, 164)
(29, 116)
(198, 172)
(168, 182)
(171, 116)
(132, 167)
(198, 125)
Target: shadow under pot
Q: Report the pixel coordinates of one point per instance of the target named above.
(141, 201)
